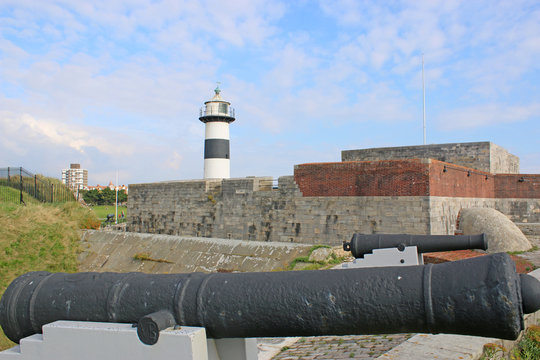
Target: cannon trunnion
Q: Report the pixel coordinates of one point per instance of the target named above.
(483, 296)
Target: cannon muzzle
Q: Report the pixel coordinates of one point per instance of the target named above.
(362, 244)
(483, 296)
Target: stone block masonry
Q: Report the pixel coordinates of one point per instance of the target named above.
(247, 209)
(250, 209)
(484, 156)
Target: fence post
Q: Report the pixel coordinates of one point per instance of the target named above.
(21, 187)
(35, 186)
(8, 179)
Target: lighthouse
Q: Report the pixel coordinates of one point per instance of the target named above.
(217, 114)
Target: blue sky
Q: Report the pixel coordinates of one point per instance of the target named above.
(117, 85)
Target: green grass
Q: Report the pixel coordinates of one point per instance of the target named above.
(529, 346)
(47, 189)
(534, 248)
(13, 196)
(315, 265)
(101, 211)
(40, 237)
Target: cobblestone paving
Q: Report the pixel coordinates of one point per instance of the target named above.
(533, 256)
(341, 347)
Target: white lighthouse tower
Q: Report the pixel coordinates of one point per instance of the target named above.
(217, 114)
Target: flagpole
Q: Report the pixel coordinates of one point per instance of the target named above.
(116, 200)
(424, 99)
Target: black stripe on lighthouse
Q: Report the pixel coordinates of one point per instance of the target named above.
(216, 149)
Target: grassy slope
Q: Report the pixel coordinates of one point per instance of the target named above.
(11, 195)
(40, 237)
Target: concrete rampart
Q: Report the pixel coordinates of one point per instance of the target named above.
(125, 252)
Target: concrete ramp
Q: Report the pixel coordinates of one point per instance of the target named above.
(152, 253)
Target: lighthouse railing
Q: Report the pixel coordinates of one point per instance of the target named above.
(216, 112)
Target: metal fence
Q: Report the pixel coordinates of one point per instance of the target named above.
(17, 184)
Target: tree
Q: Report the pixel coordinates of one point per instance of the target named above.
(103, 197)
(92, 197)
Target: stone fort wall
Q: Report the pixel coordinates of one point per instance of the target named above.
(328, 202)
(240, 209)
(485, 156)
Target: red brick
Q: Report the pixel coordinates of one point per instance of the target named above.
(521, 186)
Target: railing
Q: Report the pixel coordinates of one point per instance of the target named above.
(20, 185)
(216, 112)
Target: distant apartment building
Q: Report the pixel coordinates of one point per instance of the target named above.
(75, 177)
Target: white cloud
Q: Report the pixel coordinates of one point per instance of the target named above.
(26, 128)
(486, 115)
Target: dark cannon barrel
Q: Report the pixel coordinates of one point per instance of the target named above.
(361, 244)
(483, 296)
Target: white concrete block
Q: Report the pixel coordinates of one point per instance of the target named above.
(13, 353)
(67, 340)
(388, 257)
(232, 349)
(32, 347)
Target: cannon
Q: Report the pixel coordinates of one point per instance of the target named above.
(482, 296)
(362, 244)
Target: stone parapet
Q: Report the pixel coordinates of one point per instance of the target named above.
(484, 156)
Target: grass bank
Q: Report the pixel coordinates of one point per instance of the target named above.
(11, 195)
(40, 237)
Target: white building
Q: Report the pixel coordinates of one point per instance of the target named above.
(75, 177)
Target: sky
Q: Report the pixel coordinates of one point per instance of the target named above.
(117, 85)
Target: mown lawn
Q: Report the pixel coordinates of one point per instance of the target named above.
(101, 211)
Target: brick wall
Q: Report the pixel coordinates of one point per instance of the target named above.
(413, 177)
(517, 186)
(328, 179)
(364, 178)
(451, 180)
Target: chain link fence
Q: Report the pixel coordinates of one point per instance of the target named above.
(21, 186)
